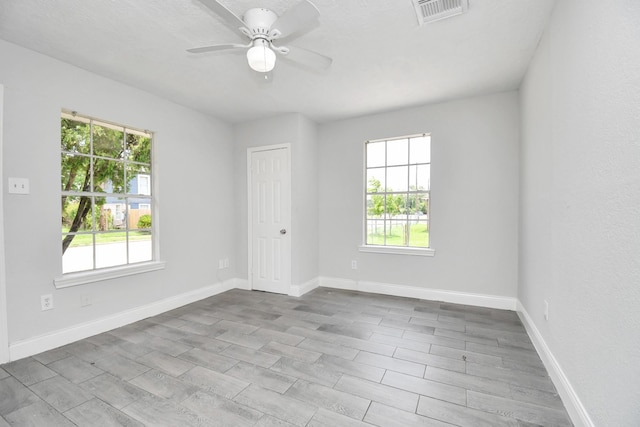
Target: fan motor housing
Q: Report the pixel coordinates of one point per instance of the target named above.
(259, 20)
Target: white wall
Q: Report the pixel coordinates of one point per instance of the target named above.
(4, 336)
(301, 133)
(474, 197)
(304, 205)
(195, 195)
(580, 202)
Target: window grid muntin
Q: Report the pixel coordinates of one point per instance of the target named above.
(125, 195)
(386, 216)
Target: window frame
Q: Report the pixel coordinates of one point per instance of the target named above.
(94, 274)
(393, 249)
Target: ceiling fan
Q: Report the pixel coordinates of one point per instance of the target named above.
(262, 27)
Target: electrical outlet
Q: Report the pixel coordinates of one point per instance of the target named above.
(220, 264)
(85, 300)
(226, 263)
(46, 301)
(354, 265)
(546, 310)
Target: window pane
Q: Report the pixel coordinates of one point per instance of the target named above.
(396, 204)
(397, 152)
(140, 247)
(108, 142)
(108, 176)
(69, 211)
(397, 178)
(76, 214)
(419, 234)
(138, 148)
(112, 213)
(417, 204)
(375, 180)
(396, 231)
(75, 173)
(420, 177)
(75, 136)
(375, 154)
(375, 205)
(420, 150)
(138, 179)
(139, 215)
(426, 200)
(375, 232)
(111, 249)
(79, 255)
(390, 207)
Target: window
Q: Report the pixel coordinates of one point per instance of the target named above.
(144, 184)
(106, 194)
(397, 189)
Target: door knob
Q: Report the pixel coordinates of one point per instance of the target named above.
(283, 231)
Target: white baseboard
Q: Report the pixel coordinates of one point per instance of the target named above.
(338, 283)
(572, 403)
(299, 290)
(242, 284)
(35, 345)
(480, 300)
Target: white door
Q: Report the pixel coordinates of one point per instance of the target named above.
(270, 219)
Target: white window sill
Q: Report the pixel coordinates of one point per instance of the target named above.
(84, 277)
(397, 250)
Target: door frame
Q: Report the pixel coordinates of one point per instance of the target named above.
(250, 152)
(4, 332)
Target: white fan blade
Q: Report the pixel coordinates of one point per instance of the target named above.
(231, 18)
(216, 47)
(298, 17)
(309, 58)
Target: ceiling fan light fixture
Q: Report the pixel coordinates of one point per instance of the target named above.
(260, 57)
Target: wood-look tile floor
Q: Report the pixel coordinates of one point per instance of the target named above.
(329, 358)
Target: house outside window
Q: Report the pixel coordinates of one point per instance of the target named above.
(105, 180)
(397, 192)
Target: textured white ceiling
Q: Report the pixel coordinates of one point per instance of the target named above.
(382, 58)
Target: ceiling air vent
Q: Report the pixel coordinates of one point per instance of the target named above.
(434, 10)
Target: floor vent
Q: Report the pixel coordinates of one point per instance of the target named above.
(435, 10)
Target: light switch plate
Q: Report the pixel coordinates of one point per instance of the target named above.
(18, 185)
